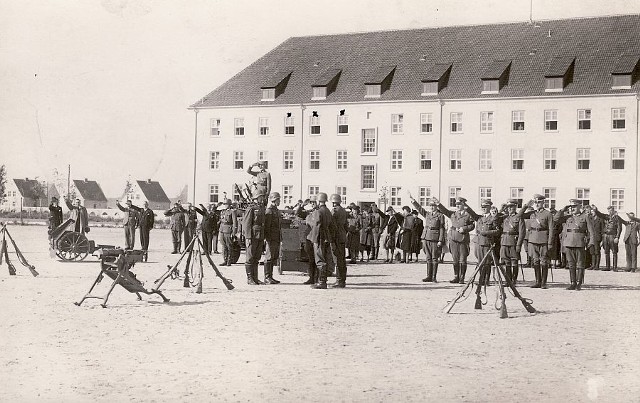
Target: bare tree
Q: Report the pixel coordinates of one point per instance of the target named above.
(3, 183)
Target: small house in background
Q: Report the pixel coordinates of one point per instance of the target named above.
(90, 194)
(149, 191)
(182, 196)
(24, 194)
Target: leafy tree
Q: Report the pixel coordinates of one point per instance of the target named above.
(3, 182)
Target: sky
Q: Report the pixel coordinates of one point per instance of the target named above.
(104, 85)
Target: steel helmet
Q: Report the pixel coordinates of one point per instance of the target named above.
(335, 198)
(322, 197)
(227, 202)
(273, 196)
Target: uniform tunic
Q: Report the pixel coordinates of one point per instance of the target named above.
(432, 233)
(513, 231)
(253, 231)
(272, 234)
(540, 239)
(458, 242)
(577, 235)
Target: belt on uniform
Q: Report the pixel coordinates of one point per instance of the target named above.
(434, 228)
(539, 229)
(579, 231)
(509, 233)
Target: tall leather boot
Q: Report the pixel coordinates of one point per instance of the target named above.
(463, 272)
(544, 273)
(175, 248)
(572, 277)
(538, 274)
(322, 279)
(580, 279)
(607, 262)
(615, 262)
(456, 271)
(429, 277)
(514, 273)
(435, 272)
(311, 271)
(249, 270)
(508, 272)
(268, 274)
(254, 271)
(597, 265)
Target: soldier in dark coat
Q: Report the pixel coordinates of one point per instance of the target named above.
(191, 224)
(272, 236)
(321, 235)
(339, 216)
(415, 235)
(540, 241)
(611, 236)
(406, 233)
(79, 215)
(130, 222)
(377, 222)
(353, 234)
(488, 230)
(631, 240)
(394, 221)
(598, 233)
(147, 219)
(458, 236)
(432, 237)
(577, 238)
(208, 222)
(55, 214)
(253, 231)
(366, 237)
(228, 225)
(177, 225)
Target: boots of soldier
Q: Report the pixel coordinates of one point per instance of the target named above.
(254, 271)
(249, 270)
(435, 272)
(268, 274)
(544, 273)
(312, 275)
(580, 279)
(607, 262)
(481, 276)
(572, 277)
(508, 272)
(538, 274)
(456, 271)
(429, 277)
(175, 248)
(514, 273)
(322, 280)
(597, 265)
(463, 272)
(615, 262)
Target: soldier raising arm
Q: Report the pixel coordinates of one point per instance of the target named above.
(458, 235)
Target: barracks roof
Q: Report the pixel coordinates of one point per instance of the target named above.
(600, 46)
(89, 190)
(30, 188)
(153, 191)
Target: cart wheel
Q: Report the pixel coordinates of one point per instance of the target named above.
(73, 246)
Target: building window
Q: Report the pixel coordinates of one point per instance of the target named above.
(617, 158)
(314, 160)
(213, 193)
(314, 190)
(618, 121)
(341, 160)
(490, 86)
(621, 82)
(238, 123)
(214, 160)
(287, 195)
(287, 160)
(426, 123)
(342, 192)
(430, 88)
(268, 94)
(486, 122)
(215, 127)
(550, 159)
(517, 121)
(455, 160)
(550, 198)
(486, 193)
(264, 126)
(369, 141)
(424, 194)
(584, 119)
(396, 200)
(315, 124)
(343, 124)
(238, 160)
(289, 128)
(425, 160)
(553, 84)
(397, 124)
(617, 199)
(373, 91)
(454, 192)
(518, 195)
(263, 156)
(583, 155)
(235, 193)
(396, 160)
(584, 195)
(517, 159)
(486, 163)
(319, 93)
(456, 122)
(551, 120)
(368, 177)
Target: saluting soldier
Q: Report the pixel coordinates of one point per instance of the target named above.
(577, 238)
(130, 222)
(540, 239)
(416, 235)
(513, 231)
(228, 229)
(272, 236)
(263, 177)
(458, 235)
(209, 220)
(177, 225)
(55, 214)
(339, 215)
(394, 222)
(432, 236)
(147, 219)
(631, 240)
(611, 237)
(191, 223)
(253, 231)
(321, 235)
(353, 234)
(488, 230)
(598, 233)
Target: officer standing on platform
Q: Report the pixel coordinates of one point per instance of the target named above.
(432, 236)
(263, 177)
(228, 228)
(540, 238)
(130, 221)
(458, 235)
(147, 219)
(177, 225)
(55, 214)
(253, 231)
(321, 235)
(272, 236)
(611, 237)
(577, 238)
(513, 231)
(339, 215)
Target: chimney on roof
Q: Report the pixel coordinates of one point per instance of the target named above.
(26, 179)
(86, 180)
(148, 180)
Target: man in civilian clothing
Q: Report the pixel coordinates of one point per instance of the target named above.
(79, 215)
(631, 239)
(147, 219)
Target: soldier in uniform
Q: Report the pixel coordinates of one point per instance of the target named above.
(78, 214)
(432, 236)
(147, 219)
(177, 225)
(598, 233)
(577, 238)
(272, 236)
(365, 234)
(513, 231)
(339, 215)
(130, 222)
(377, 222)
(631, 240)
(191, 223)
(263, 177)
(304, 212)
(228, 225)
(55, 214)
(209, 220)
(253, 231)
(458, 235)
(540, 238)
(353, 234)
(488, 230)
(321, 235)
(611, 237)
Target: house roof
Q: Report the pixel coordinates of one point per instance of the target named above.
(276, 79)
(31, 188)
(626, 64)
(495, 70)
(436, 71)
(89, 190)
(597, 44)
(559, 66)
(153, 191)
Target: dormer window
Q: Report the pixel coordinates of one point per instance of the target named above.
(495, 76)
(325, 84)
(319, 93)
(379, 81)
(268, 94)
(435, 79)
(625, 72)
(559, 74)
(275, 86)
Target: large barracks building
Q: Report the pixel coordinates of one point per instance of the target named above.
(488, 111)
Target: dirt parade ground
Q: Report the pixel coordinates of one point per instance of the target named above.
(384, 338)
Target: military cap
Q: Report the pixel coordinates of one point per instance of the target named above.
(486, 203)
(432, 202)
(389, 209)
(460, 200)
(274, 195)
(610, 208)
(538, 197)
(227, 202)
(54, 198)
(574, 202)
(262, 162)
(414, 212)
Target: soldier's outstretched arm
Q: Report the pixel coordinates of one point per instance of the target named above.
(472, 213)
(444, 210)
(68, 203)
